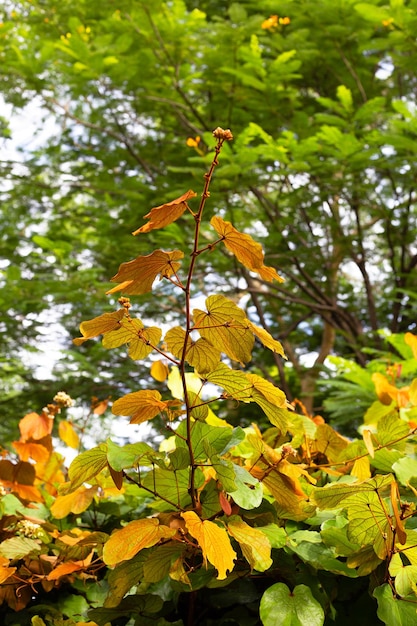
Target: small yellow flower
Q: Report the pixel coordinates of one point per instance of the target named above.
(271, 22)
(284, 21)
(193, 143)
(388, 22)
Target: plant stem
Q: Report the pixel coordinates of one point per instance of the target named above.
(197, 217)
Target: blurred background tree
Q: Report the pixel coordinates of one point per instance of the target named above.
(122, 98)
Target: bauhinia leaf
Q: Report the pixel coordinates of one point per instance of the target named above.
(87, 465)
(135, 536)
(267, 339)
(246, 250)
(369, 523)
(255, 545)
(225, 327)
(332, 496)
(167, 213)
(159, 371)
(234, 382)
(141, 340)
(137, 277)
(76, 502)
(99, 325)
(213, 541)
(200, 354)
(140, 405)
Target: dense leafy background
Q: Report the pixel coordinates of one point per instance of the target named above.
(322, 170)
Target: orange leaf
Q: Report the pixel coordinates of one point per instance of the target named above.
(165, 214)
(248, 251)
(68, 435)
(34, 426)
(76, 502)
(141, 405)
(225, 504)
(99, 326)
(135, 536)
(34, 451)
(213, 541)
(64, 569)
(137, 276)
(6, 572)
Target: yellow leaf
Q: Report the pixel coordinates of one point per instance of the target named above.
(141, 405)
(213, 541)
(245, 249)
(384, 390)
(412, 392)
(203, 356)
(361, 469)
(255, 545)
(367, 438)
(411, 340)
(99, 325)
(159, 371)
(68, 435)
(200, 354)
(289, 503)
(329, 442)
(135, 536)
(234, 382)
(266, 338)
(167, 213)
(141, 341)
(194, 383)
(271, 400)
(225, 327)
(175, 339)
(137, 276)
(76, 502)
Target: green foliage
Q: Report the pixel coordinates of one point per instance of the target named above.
(216, 523)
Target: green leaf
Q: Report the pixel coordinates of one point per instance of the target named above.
(369, 523)
(394, 611)
(159, 561)
(123, 577)
(130, 455)
(371, 12)
(87, 465)
(332, 496)
(249, 492)
(280, 606)
(405, 469)
(19, 547)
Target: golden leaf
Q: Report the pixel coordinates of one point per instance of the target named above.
(255, 545)
(68, 434)
(141, 341)
(175, 339)
(384, 390)
(6, 572)
(76, 502)
(135, 536)
(137, 276)
(167, 213)
(361, 469)
(200, 354)
(64, 569)
(225, 327)
(267, 339)
(213, 541)
(248, 251)
(159, 371)
(141, 405)
(99, 326)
